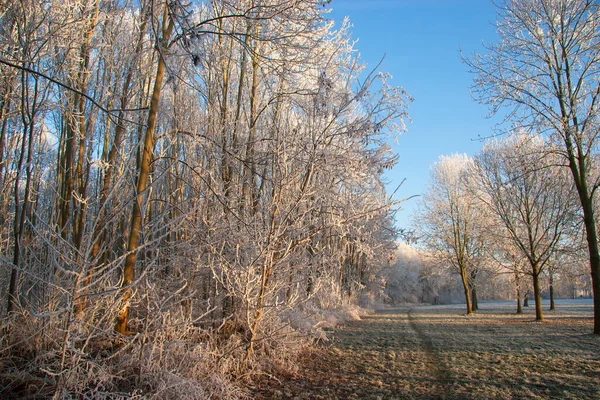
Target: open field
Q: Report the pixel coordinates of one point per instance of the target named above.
(437, 352)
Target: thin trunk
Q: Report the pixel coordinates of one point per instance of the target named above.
(537, 294)
(250, 170)
(552, 291)
(32, 215)
(81, 128)
(6, 104)
(76, 129)
(238, 109)
(463, 277)
(99, 234)
(83, 176)
(144, 169)
(265, 274)
(7, 91)
(60, 172)
(66, 177)
(519, 307)
(272, 136)
(28, 111)
(267, 268)
(226, 168)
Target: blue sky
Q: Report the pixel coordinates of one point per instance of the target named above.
(421, 41)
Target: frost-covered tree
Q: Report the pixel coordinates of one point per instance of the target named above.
(544, 68)
(450, 220)
(403, 276)
(198, 171)
(518, 179)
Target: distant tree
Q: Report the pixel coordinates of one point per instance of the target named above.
(403, 276)
(545, 68)
(569, 264)
(510, 260)
(518, 180)
(450, 220)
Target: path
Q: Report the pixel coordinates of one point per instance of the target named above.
(386, 355)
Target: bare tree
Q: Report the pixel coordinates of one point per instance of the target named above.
(545, 68)
(519, 181)
(450, 220)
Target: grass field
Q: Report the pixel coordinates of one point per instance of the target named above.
(434, 352)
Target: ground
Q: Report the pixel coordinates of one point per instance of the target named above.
(433, 352)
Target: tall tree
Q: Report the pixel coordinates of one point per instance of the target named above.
(545, 67)
(179, 29)
(27, 22)
(165, 30)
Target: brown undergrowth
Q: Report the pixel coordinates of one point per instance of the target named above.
(164, 356)
(172, 358)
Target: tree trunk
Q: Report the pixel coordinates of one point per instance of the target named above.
(76, 128)
(265, 275)
(4, 111)
(226, 148)
(463, 276)
(519, 308)
(551, 291)
(28, 111)
(537, 294)
(578, 167)
(66, 174)
(250, 170)
(111, 159)
(144, 169)
(592, 240)
(474, 304)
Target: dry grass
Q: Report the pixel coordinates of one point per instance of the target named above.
(175, 359)
(175, 363)
(438, 352)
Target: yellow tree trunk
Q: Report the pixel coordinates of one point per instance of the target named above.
(142, 181)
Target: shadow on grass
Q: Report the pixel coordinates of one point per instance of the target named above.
(434, 352)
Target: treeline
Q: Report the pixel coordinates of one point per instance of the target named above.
(508, 213)
(178, 179)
